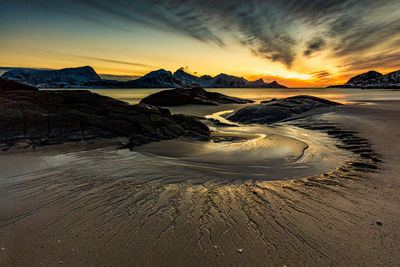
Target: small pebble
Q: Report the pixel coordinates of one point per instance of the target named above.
(240, 250)
(379, 223)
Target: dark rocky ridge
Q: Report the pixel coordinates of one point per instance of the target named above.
(373, 79)
(6, 85)
(278, 110)
(29, 117)
(194, 96)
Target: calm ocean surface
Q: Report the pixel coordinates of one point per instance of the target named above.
(133, 96)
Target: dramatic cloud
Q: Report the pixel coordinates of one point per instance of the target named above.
(321, 74)
(314, 45)
(282, 31)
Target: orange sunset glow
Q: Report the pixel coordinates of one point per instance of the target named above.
(134, 38)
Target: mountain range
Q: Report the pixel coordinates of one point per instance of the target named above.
(373, 79)
(86, 77)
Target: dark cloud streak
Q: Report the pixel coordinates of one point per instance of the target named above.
(314, 45)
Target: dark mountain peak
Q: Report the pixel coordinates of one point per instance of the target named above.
(206, 77)
(182, 73)
(83, 68)
(373, 79)
(374, 73)
(368, 76)
(160, 72)
(68, 77)
(224, 75)
(86, 71)
(156, 79)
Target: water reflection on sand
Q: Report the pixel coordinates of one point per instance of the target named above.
(251, 151)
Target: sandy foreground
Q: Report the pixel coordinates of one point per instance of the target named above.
(92, 207)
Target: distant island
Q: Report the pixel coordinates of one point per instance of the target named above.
(373, 79)
(86, 77)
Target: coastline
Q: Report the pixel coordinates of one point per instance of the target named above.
(95, 217)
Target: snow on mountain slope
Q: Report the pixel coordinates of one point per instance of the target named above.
(87, 77)
(69, 77)
(373, 79)
(157, 79)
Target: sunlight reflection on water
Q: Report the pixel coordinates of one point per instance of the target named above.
(133, 96)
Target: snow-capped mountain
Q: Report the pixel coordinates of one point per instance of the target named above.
(156, 79)
(188, 79)
(373, 79)
(226, 81)
(69, 77)
(222, 81)
(87, 77)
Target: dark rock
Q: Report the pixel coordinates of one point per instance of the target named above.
(29, 117)
(7, 85)
(194, 96)
(221, 124)
(379, 223)
(267, 101)
(278, 110)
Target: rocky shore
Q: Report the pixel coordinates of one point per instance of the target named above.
(107, 206)
(30, 118)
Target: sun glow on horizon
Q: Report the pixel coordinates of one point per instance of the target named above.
(272, 42)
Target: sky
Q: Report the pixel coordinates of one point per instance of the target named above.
(299, 43)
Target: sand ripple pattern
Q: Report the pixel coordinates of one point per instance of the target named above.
(85, 213)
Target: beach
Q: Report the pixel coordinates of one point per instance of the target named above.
(100, 205)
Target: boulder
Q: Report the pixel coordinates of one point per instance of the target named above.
(192, 96)
(277, 110)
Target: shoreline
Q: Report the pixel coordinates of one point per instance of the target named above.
(111, 218)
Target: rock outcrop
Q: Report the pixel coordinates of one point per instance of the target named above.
(7, 85)
(278, 110)
(373, 79)
(29, 117)
(194, 96)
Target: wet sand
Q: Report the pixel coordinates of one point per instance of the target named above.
(101, 206)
